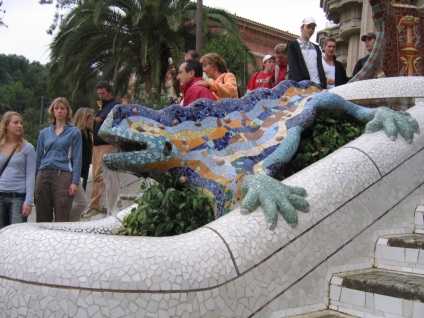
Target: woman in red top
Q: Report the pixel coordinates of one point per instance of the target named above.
(263, 78)
(189, 73)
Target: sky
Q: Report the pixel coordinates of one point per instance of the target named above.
(28, 21)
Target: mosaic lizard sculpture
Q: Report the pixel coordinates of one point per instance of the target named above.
(233, 147)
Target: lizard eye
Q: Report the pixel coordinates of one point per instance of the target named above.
(167, 149)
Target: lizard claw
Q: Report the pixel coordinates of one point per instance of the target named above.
(393, 122)
(275, 198)
(244, 211)
(271, 226)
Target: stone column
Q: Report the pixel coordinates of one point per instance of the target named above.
(367, 25)
(352, 54)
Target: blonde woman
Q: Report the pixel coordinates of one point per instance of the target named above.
(58, 164)
(223, 84)
(83, 120)
(18, 174)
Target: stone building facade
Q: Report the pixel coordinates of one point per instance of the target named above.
(261, 39)
(403, 32)
(352, 18)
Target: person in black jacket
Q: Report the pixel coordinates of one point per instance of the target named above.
(369, 41)
(334, 70)
(305, 62)
(101, 147)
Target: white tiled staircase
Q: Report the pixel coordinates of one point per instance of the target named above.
(419, 219)
(394, 287)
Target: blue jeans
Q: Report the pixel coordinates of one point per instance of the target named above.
(11, 211)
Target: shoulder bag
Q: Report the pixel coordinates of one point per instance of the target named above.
(8, 159)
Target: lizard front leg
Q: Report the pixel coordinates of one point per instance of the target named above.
(274, 196)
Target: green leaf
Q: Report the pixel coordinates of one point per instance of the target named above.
(169, 226)
(160, 229)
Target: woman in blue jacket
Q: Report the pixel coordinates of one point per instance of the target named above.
(58, 164)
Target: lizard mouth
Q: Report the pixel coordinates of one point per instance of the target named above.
(133, 155)
(134, 146)
(131, 146)
(127, 145)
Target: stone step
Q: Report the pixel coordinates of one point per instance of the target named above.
(324, 314)
(407, 241)
(419, 219)
(378, 293)
(404, 253)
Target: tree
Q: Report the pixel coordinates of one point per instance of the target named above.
(2, 13)
(22, 87)
(60, 6)
(199, 26)
(127, 42)
(236, 54)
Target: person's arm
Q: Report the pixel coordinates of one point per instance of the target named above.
(293, 61)
(29, 173)
(358, 67)
(197, 92)
(228, 89)
(76, 161)
(191, 95)
(29, 180)
(251, 85)
(321, 73)
(76, 156)
(40, 150)
(341, 77)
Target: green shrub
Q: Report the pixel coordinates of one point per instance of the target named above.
(165, 210)
(153, 99)
(326, 135)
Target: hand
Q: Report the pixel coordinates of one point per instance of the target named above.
(100, 119)
(73, 189)
(330, 81)
(26, 210)
(274, 197)
(202, 83)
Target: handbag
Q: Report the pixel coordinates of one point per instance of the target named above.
(8, 159)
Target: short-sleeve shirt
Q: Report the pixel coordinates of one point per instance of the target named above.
(259, 80)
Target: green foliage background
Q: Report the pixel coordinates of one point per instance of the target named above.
(23, 88)
(328, 133)
(236, 55)
(165, 209)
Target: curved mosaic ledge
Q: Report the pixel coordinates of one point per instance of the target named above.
(233, 267)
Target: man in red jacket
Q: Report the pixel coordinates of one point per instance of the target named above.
(190, 72)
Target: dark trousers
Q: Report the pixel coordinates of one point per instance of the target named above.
(11, 210)
(51, 195)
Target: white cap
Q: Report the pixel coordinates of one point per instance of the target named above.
(309, 20)
(267, 57)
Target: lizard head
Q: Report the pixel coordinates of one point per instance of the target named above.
(143, 142)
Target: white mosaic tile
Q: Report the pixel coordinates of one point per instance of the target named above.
(194, 275)
(387, 87)
(388, 304)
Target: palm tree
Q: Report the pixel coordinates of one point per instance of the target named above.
(199, 26)
(119, 40)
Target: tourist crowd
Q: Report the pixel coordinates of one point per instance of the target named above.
(54, 177)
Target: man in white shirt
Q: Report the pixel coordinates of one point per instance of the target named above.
(304, 57)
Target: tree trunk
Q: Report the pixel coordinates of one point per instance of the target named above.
(199, 26)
